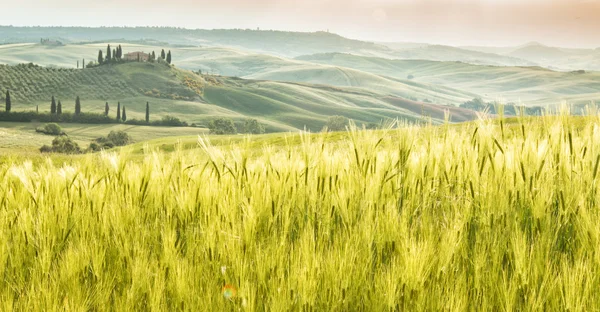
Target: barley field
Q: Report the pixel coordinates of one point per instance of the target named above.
(490, 215)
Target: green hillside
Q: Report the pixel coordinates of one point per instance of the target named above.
(198, 98)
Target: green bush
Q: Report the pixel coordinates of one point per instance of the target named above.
(94, 147)
(222, 126)
(62, 144)
(119, 138)
(51, 129)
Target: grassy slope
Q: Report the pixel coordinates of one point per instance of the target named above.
(532, 85)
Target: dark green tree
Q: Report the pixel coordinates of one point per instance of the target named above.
(100, 58)
(108, 56)
(119, 111)
(7, 101)
(114, 55)
(106, 109)
(162, 54)
(124, 115)
(53, 106)
(253, 126)
(222, 126)
(153, 56)
(59, 108)
(169, 57)
(147, 112)
(77, 106)
(120, 52)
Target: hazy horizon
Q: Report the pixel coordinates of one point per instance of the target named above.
(464, 22)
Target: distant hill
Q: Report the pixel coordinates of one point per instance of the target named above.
(557, 58)
(281, 43)
(540, 53)
(198, 98)
(448, 53)
(531, 85)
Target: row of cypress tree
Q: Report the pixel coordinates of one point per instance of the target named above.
(122, 114)
(56, 108)
(114, 54)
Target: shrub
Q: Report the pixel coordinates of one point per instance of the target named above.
(51, 129)
(222, 126)
(62, 144)
(94, 147)
(46, 149)
(337, 123)
(119, 138)
(172, 121)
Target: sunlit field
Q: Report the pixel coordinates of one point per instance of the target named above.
(489, 215)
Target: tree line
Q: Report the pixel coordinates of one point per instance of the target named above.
(57, 114)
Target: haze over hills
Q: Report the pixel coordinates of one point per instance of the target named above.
(280, 43)
(439, 82)
(293, 44)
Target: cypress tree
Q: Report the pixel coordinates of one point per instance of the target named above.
(153, 56)
(7, 101)
(83, 64)
(162, 54)
(53, 106)
(114, 55)
(100, 58)
(119, 111)
(108, 58)
(59, 108)
(169, 57)
(147, 112)
(124, 116)
(106, 109)
(120, 52)
(77, 106)
(37, 109)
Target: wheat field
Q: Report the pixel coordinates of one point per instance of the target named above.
(496, 216)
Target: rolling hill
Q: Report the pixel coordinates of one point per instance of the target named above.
(530, 85)
(195, 98)
(565, 59)
(230, 62)
(454, 54)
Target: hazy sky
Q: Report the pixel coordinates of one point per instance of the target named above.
(573, 23)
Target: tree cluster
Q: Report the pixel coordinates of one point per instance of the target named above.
(510, 109)
(112, 55)
(222, 126)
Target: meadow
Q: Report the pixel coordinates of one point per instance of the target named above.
(489, 215)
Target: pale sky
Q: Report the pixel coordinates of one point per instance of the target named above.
(569, 23)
